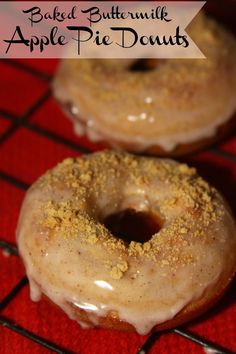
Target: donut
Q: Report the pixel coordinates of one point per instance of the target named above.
(126, 242)
(164, 107)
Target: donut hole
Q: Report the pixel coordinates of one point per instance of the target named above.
(144, 64)
(131, 225)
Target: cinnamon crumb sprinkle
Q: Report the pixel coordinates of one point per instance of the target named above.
(90, 180)
(118, 271)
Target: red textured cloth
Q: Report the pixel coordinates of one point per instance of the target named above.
(25, 153)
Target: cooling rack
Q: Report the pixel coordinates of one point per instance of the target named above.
(28, 122)
(34, 136)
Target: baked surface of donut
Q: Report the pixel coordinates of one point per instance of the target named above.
(174, 108)
(101, 280)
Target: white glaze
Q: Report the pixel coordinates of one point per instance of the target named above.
(70, 271)
(180, 102)
(168, 143)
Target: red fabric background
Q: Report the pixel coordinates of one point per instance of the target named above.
(25, 154)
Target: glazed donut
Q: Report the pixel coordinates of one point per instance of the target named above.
(138, 283)
(174, 107)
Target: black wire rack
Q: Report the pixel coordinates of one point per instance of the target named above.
(25, 122)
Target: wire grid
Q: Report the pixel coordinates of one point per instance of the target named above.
(24, 121)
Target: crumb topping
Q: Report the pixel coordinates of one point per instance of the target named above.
(118, 271)
(108, 175)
